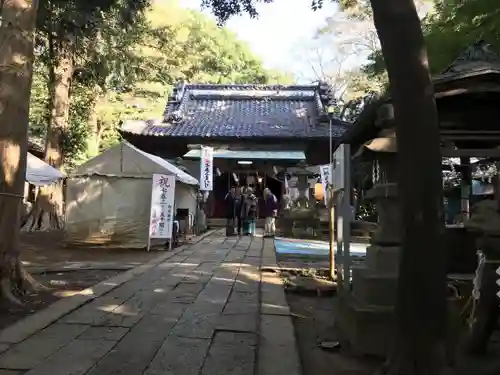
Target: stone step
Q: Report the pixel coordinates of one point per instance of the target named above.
(374, 289)
(382, 259)
(368, 330)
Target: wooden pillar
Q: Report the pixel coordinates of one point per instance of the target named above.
(465, 188)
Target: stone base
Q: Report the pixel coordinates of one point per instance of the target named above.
(383, 259)
(374, 289)
(365, 315)
(368, 330)
(375, 282)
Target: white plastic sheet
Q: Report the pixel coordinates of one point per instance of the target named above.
(40, 173)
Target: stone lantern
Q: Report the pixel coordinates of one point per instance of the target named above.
(365, 312)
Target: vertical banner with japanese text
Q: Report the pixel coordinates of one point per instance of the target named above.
(325, 180)
(162, 206)
(206, 168)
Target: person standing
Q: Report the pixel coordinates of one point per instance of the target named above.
(270, 213)
(251, 212)
(240, 212)
(230, 200)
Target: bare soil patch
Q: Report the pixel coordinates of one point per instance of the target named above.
(41, 250)
(313, 321)
(311, 302)
(45, 248)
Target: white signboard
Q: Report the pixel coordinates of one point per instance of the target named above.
(206, 168)
(325, 179)
(339, 155)
(162, 206)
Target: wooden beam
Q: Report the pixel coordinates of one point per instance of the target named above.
(470, 137)
(478, 153)
(486, 88)
(470, 132)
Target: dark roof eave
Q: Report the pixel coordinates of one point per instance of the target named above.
(226, 139)
(448, 77)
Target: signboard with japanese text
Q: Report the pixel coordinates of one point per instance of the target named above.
(162, 206)
(206, 168)
(325, 180)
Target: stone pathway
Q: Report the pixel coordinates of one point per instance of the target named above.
(203, 309)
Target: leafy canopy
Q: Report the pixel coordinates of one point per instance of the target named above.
(129, 74)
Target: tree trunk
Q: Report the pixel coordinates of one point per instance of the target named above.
(95, 126)
(17, 26)
(60, 88)
(421, 299)
(47, 211)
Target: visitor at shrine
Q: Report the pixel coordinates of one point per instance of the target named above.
(240, 212)
(230, 200)
(251, 205)
(270, 212)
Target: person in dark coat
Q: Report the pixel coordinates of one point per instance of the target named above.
(230, 200)
(251, 206)
(240, 212)
(270, 213)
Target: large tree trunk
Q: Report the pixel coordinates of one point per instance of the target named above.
(60, 88)
(47, 212)
(421, 299)
(96, 127)
(18, 19)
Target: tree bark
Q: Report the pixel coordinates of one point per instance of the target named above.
(95, 125)
(47, 210)
(421, 299)
(60, 88)
(18, 19)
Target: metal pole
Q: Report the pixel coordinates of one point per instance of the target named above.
(331, 209)
(197, 226)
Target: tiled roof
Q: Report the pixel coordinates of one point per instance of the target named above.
(241, 111)
(477, 59)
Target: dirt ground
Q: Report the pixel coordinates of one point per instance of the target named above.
(45, 248)
(311, 302)
(313, 320)
(41, 250)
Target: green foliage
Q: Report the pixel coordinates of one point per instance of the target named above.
(122, 74)
(449, 28)
(454, 25)
(39, 102)
(75, 142)
(225, 9)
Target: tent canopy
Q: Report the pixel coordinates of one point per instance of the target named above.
(40, 173)
(109, 197)
(125, 160)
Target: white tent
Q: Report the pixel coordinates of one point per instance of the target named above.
(109, 197)
(40, 173)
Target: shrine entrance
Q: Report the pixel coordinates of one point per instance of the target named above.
(256, 180)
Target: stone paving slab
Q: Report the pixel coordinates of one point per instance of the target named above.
(231, 354)
(26, 327)
(179, 355)
(206, 309)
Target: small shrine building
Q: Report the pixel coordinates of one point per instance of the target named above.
(257, 131)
